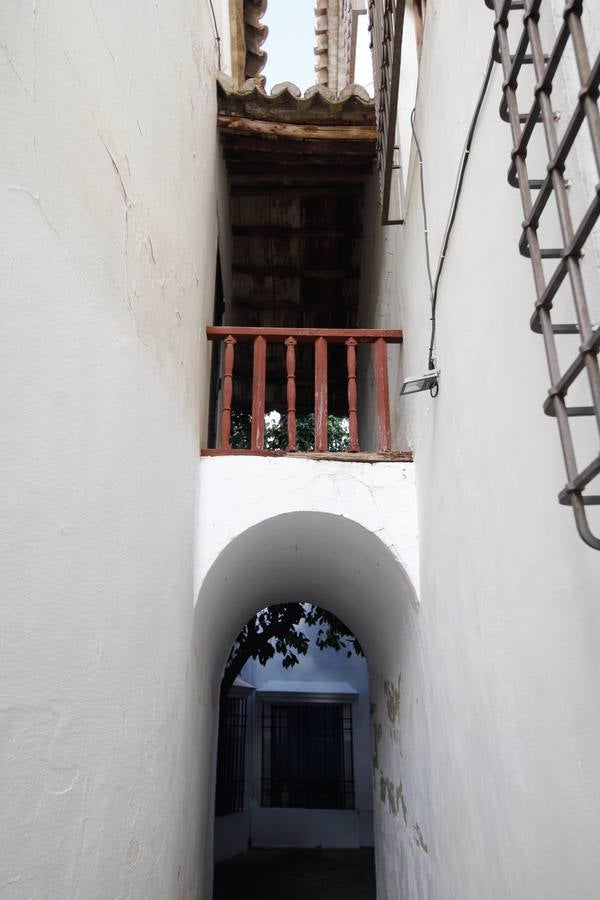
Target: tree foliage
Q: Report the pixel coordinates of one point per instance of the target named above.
(276, 436)
(282, 630)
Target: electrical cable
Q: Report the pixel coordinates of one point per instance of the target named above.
(217, 35)
(423, 205)
(434, 283)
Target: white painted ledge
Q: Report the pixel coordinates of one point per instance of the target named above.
(237, 493)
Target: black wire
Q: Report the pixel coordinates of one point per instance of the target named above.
(217, 35)
(454, 206)
(423, 204)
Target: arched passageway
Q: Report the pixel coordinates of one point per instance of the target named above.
(294, 805)
(343, 567)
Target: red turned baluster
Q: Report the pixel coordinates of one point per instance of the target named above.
(227, 393)
(290, 366)
(259, 375)
(321, 395)
(353, 446)
(384, 430)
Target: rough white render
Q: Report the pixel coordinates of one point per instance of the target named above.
(236, 493)
(108, 199)
(500, 723)
(122, 590)
(343, 534)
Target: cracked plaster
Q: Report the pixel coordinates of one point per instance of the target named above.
(237, 493)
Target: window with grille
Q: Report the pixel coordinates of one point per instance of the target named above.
(307, 755)
(551, 87)
(386, 24)
(231, 756)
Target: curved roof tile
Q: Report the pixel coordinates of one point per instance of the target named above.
(286, 101)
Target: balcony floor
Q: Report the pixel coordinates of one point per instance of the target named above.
(347, 456)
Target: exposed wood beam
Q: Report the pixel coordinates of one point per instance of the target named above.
(235, 156)
(299, 168)
(298, 175)
(349, 232)
(263, 303)
(293, 271)
(265, 144)
(294, 190)
(242, 125)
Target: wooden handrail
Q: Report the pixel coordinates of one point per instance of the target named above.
(305, 335)
(320, 338)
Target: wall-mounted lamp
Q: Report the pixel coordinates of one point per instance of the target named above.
(427, 382)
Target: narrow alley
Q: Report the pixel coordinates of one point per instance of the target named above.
(297, 874)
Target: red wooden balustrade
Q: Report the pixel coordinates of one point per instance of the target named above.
(290, 367)
(320, 338)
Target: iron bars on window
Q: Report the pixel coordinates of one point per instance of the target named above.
(307, 757)
(231, 756)
(535, 194)
(386, 23)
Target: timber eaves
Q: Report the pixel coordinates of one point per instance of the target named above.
(286, 103)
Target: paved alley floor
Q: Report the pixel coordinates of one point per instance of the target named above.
(297, 875)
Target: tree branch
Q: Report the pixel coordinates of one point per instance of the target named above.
(256, 642)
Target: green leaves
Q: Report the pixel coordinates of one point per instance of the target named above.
(282, 630)
(276, 436)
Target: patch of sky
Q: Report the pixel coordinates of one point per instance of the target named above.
(290, 42)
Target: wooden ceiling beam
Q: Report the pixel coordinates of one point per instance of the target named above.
(300, 132)
(253, 144)
(301, 177)
(301, 168)
(293, 191)
(293, 271)
(287, 231)
(235, 157)
(268, 303)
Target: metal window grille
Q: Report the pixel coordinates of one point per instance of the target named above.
(231, 756)
(386, 23)
(555, 265)
(307, 755)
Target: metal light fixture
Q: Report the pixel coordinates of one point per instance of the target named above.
(416, 383)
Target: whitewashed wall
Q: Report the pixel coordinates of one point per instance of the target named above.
(108, 172)
(494, 788)
(486, 729)
(343, 534)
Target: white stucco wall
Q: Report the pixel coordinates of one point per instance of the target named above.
(343, 534)
(237, 493)
(108, 174)
(498, 721)
(126, 573)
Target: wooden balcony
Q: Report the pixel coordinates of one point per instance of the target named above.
(321, 339)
